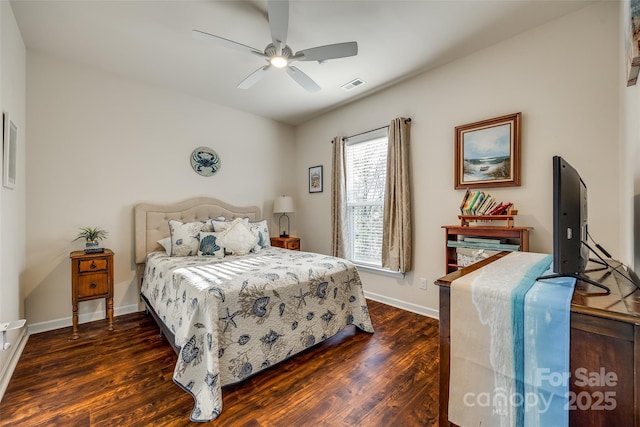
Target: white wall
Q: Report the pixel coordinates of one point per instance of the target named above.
(12, 201)
(100, 143)
(562, 76)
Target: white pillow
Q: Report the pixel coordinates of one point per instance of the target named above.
(261, 230)
(237, 239)
(166, 244)
(209, 245)
(207, 227)
(185, 237)
(221, 224)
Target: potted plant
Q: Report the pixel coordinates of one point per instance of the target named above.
(91, 236)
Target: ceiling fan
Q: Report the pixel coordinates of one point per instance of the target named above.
(278, 54)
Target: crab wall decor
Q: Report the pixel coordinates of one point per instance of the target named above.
(205, 161)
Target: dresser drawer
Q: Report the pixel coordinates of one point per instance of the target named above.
(95, 264)
(90, 285)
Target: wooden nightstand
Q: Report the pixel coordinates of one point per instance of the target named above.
(292, 243)
(91, 278)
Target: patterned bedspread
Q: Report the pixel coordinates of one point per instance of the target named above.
(237, 315)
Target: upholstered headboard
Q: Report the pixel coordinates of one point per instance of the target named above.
(151, 219)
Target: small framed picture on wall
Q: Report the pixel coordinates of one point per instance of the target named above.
(10, 142)
(315, 179)
(632, 41)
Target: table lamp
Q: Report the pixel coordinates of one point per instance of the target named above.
(283, 205)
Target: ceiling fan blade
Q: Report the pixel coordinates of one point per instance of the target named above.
(330, 51)
(254, 77)
(279, 23)
(303, 80)
(200, 35)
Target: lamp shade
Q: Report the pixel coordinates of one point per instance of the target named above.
(283, 204)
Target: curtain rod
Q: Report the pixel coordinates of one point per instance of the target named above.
(372, 130)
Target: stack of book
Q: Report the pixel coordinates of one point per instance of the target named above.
(481, 203)
(468, 256)
(483, 243)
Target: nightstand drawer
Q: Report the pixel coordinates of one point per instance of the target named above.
(293, 245)
(96, 264)
(90, 285)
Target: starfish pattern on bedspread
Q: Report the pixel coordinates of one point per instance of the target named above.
(235, 316)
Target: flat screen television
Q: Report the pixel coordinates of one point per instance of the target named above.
(570, 218)
(570, 222)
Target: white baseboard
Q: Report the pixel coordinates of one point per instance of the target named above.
(414, 308)
(7, 372)
(50, 325)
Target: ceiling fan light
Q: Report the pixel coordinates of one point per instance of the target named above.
(278, 62)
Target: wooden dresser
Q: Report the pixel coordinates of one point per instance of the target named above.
(605, 338)
(91, 278)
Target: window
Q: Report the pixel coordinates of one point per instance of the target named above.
(366, 173)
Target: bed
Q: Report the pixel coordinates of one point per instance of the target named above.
(231, 316)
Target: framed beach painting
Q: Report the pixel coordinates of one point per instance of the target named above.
(315, 179)
(488, 153)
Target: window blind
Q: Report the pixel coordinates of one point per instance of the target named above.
(366, 166)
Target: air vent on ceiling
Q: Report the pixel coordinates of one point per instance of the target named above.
(353, 84)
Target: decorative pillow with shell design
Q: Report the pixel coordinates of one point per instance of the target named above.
(209, 245)
(185, 237)
(261, 230)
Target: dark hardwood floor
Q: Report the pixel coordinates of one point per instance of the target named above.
(123, 378)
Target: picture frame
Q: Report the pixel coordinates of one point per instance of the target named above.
(487, 153)
(315, 179)
(632, 42)
(9, 150)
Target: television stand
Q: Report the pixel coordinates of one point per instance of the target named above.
(577, 277)
(595, 269)
(597, 261)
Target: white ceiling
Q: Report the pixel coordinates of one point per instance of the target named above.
(151, 41)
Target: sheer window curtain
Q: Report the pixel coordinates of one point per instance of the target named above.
(338, 201)
(397, 228)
